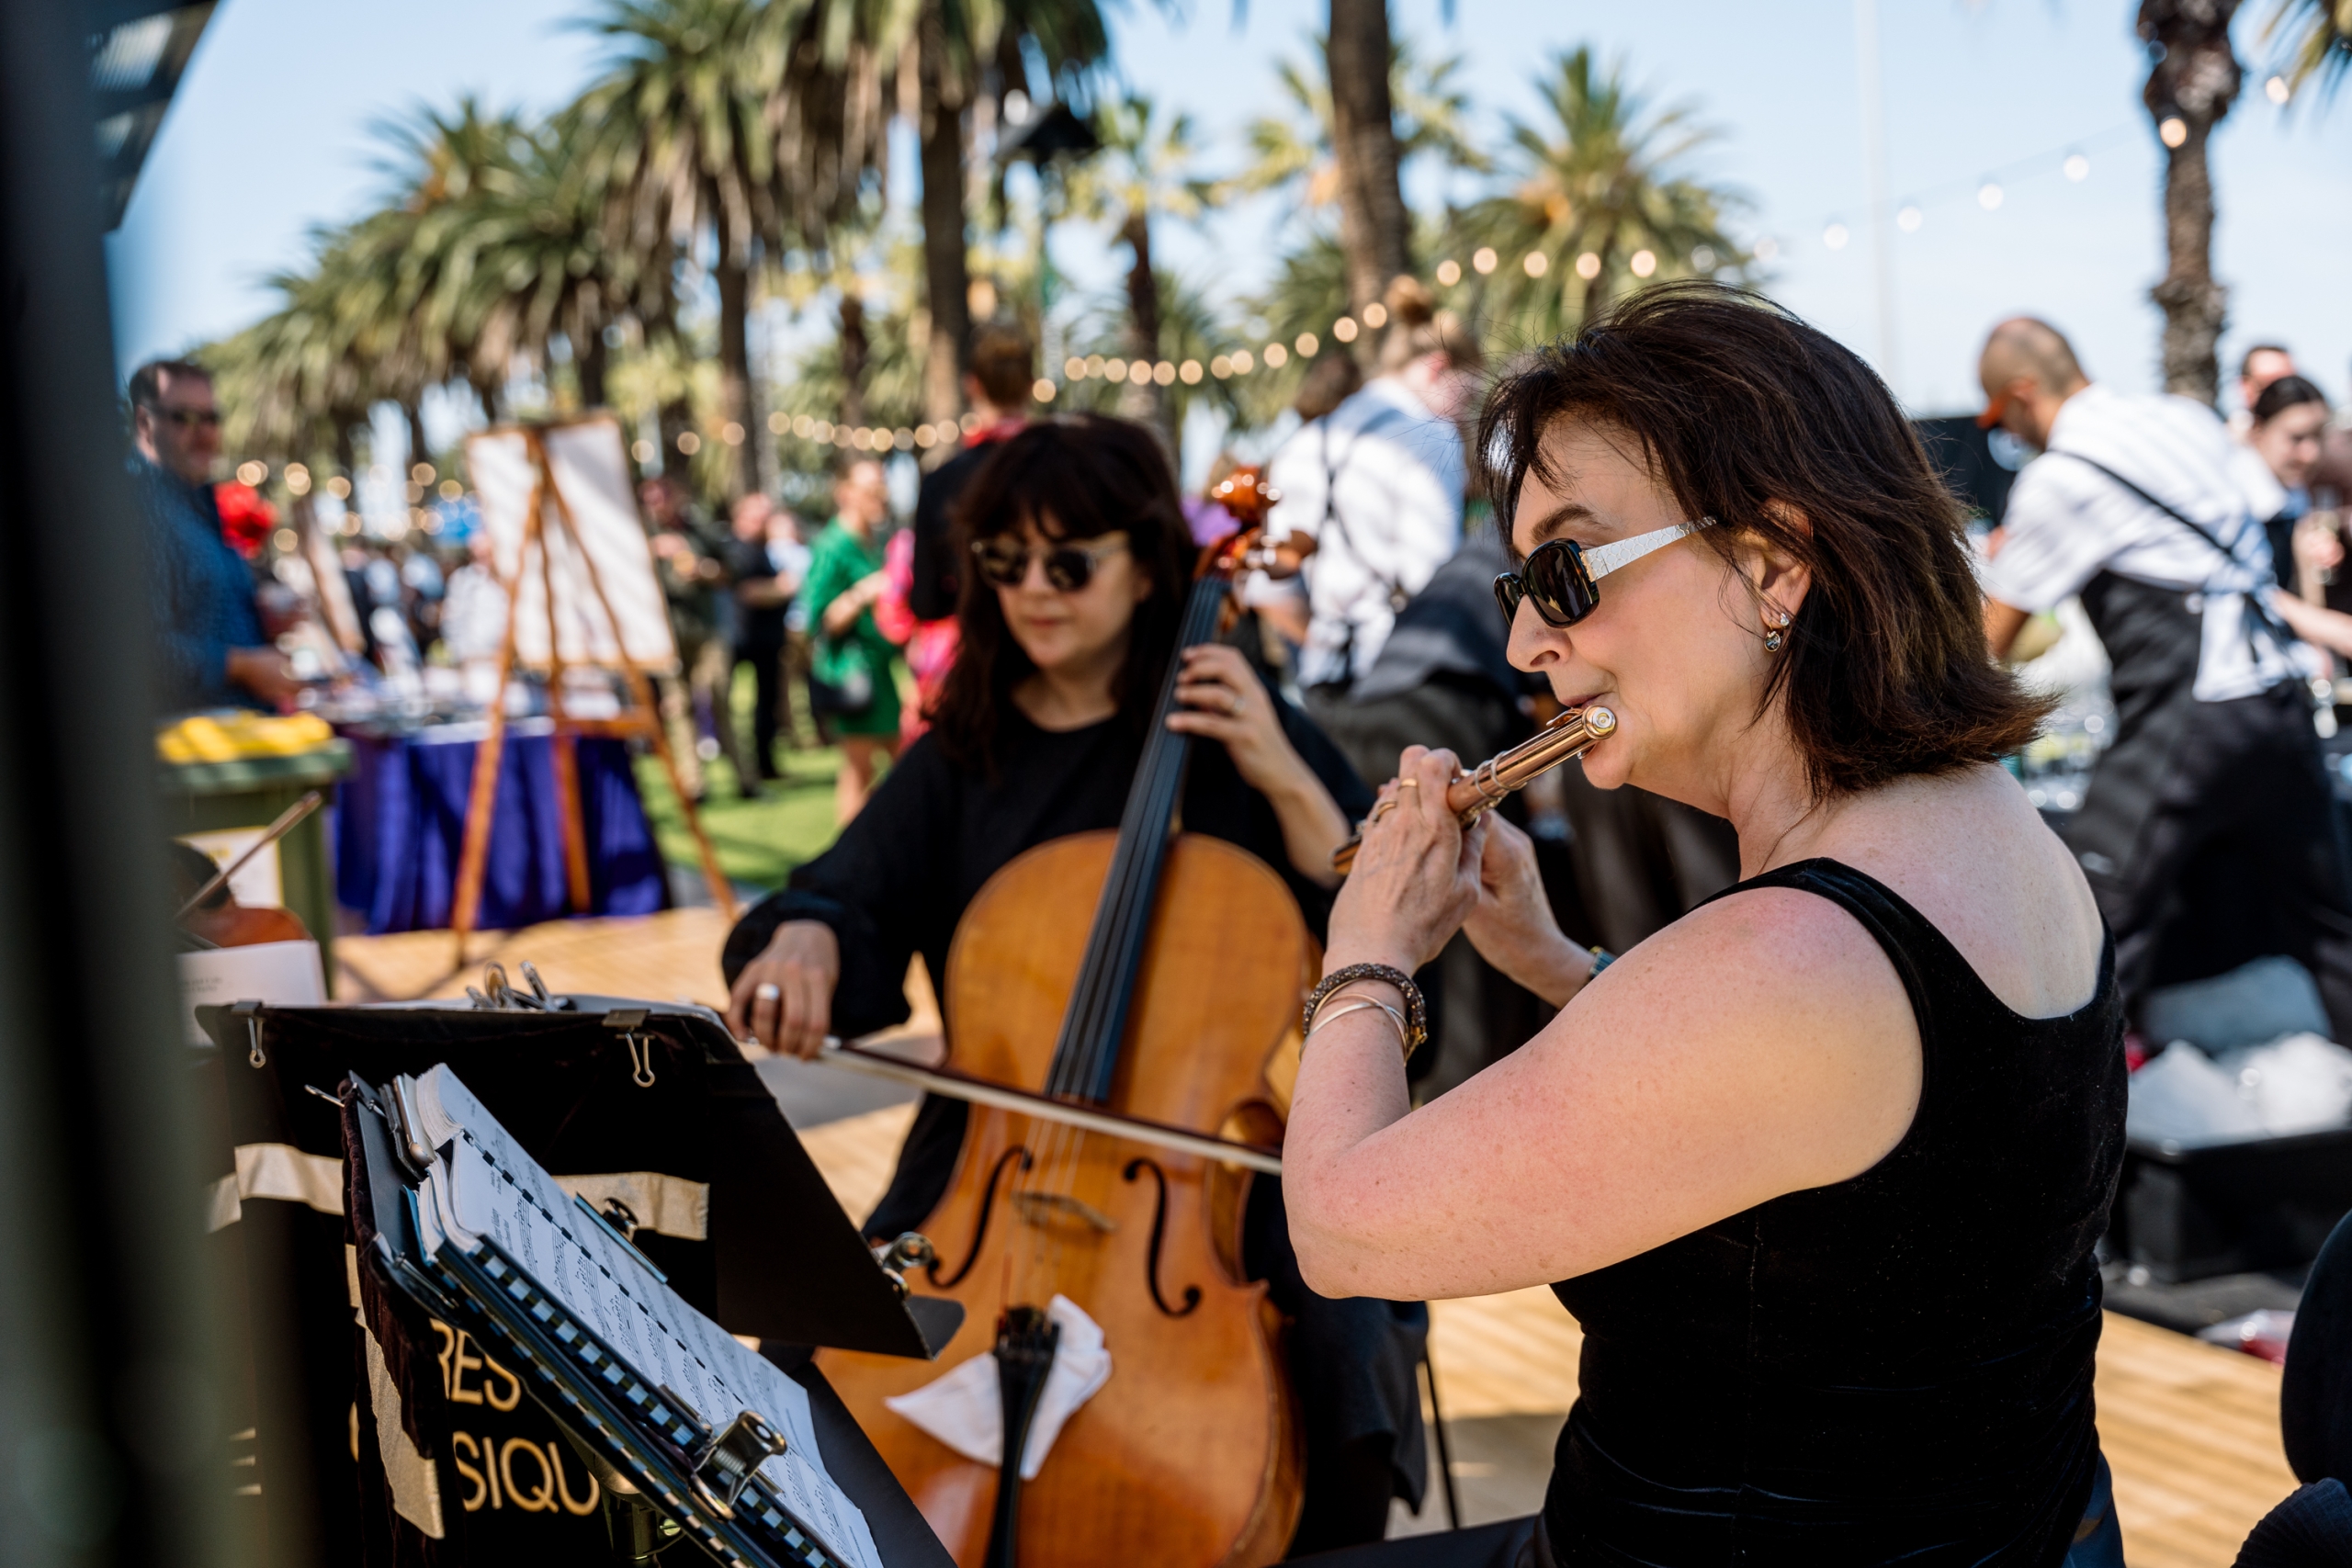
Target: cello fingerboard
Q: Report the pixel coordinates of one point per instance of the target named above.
(1086, 1054)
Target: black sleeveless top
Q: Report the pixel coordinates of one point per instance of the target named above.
(1893, 1369)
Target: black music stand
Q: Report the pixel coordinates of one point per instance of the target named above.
(696, 1470)
(585, 1085)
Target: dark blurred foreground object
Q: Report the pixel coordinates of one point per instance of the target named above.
(109, 1439)
(2312, 1529)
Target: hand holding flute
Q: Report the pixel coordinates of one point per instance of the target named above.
(1478, 791)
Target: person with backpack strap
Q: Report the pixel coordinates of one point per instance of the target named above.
(2209, 830)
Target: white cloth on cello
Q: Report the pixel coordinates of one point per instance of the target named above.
(965, 1411)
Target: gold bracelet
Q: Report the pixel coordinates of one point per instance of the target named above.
(1358, 1004)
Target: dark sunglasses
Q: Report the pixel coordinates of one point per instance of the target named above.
(1559, 578)
(185, 418)
(1068, 567)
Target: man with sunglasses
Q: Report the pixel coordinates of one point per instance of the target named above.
(211, 648)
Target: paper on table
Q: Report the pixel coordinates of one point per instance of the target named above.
(482, 1184)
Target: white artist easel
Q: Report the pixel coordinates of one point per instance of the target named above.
(562, 515)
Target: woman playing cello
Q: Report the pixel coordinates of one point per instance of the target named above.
(1819, 1166)
(1082, 562)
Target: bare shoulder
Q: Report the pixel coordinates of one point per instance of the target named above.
(1969, 851)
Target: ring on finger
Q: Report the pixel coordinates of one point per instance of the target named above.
(767, 993)
(1409, 783)
(1383, 806)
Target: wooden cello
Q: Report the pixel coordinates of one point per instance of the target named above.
(1151, 974)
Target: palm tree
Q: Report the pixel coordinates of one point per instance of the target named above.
(1294, 152)
(1601, 200)
(1145, 167)
(682, 144)
(1193, 332)
(2319, 39)
(1374, 226)
(2192, 81)
(967, 50)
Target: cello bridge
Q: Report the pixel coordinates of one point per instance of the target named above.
(1042, 1208)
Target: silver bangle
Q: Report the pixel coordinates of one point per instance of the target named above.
(1358, 1004)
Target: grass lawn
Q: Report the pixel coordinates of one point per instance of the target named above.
(759, 842)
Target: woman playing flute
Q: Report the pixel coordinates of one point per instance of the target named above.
(1819, 1168)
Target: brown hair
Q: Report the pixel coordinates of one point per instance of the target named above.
(1415, 327)
(2287, 392)
(147, 381)
(1753, 418)
(1005, 364)
(1075, 478)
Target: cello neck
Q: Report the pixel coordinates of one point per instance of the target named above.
(1086, 1055)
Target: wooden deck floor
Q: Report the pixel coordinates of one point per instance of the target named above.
(2191, 1430)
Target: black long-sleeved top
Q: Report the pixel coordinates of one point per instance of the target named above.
(899, 879)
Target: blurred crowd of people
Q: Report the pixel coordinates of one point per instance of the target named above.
(2206, 554)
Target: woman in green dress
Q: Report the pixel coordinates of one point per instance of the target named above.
(853, 682)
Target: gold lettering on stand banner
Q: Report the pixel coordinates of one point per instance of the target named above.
(513, 1386)
(458, 1358)
(461, 1444)
(490, 1468)
(540, 1500)
(563, 1492)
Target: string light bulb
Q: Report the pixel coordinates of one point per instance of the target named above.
(2277, 90)
(1344, 329)
(1484, 260)
(1449, 272)
(1307, 344)
(1535, 264)
(2076, 167)
(1702, 259)
(1376, 315)
(1909, 218)
(1989, 195)
(1643, 262)
(1276, 357)
(2172, 130)
(1835, 236)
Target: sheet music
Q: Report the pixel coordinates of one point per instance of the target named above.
(482, 1184)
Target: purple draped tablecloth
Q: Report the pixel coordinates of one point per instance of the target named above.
(401, 823)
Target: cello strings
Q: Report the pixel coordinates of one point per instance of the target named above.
(1085, 1058)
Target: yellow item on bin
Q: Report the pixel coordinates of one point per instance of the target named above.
(227, 737)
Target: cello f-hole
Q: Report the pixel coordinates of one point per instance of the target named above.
(981, 1231)
(1136, 1167)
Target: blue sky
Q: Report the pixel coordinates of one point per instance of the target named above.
(271, 134)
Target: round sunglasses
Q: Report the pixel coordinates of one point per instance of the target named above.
(1560, 578)
(1070, 566)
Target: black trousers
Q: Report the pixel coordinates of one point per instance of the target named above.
(767, 660)
(2211, 839)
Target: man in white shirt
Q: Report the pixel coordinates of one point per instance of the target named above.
(2208, 831)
